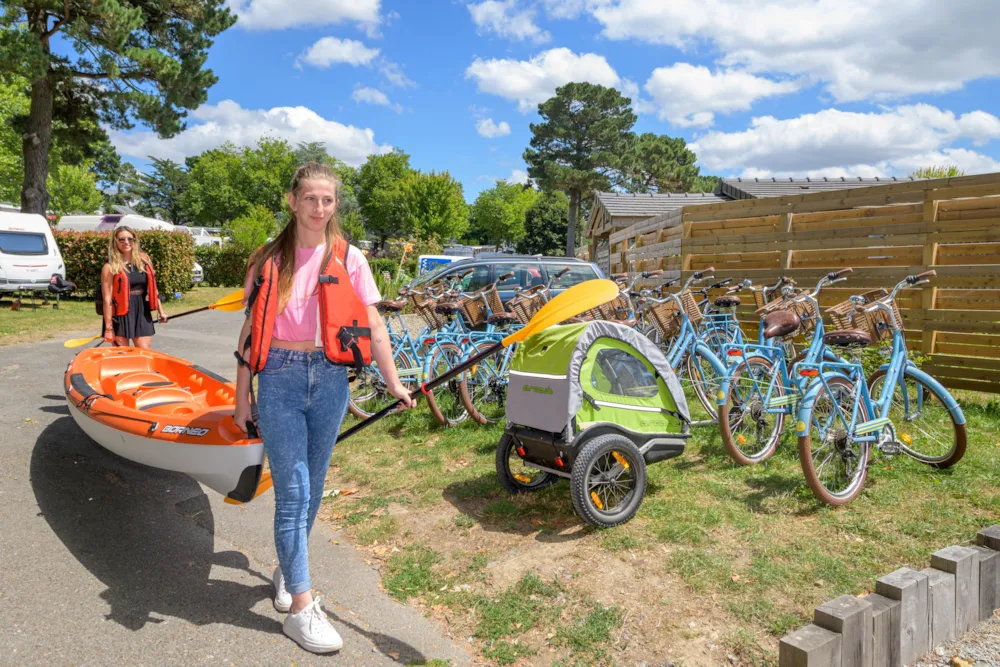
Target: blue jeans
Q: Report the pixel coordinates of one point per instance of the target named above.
(302, 401)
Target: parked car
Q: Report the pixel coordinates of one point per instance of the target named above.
(529, 270)
(29, 256)
(200, 235)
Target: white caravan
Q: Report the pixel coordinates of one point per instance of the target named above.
(29, 255)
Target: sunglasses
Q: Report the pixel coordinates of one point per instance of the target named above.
(126, 239)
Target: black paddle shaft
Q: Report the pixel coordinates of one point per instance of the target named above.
(426, 387)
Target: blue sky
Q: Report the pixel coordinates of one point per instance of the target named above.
(766, 88)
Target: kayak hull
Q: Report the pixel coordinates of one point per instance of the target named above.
(162, 411)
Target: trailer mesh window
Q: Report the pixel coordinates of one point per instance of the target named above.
(618, 372)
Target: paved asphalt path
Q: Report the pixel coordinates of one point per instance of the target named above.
(106, 562)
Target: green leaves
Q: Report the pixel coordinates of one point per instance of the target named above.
(129, 61)
(383, 196)
(498, 213)
(657, 163)
(436, 205)
(73, 189)
(545, 225)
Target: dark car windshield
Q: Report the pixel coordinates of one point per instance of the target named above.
(23, 243)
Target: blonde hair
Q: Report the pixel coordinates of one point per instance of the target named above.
(282, 247)
(115, 257)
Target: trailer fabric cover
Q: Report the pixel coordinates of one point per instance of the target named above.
(602, 329)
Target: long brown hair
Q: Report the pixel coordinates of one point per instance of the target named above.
(115, 257)
(282, 247)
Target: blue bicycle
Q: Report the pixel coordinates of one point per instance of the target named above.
(839, 423)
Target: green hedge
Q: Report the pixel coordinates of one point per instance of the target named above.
(384, 264)
(225, 266)
(86, 253)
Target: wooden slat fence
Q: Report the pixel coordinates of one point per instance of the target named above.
(884, 232)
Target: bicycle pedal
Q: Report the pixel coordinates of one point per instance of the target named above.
(891, 448)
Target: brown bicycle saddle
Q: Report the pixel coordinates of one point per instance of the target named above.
(727, 301)
(780, 323)
(389, 306)
(449, 308)
(847, 338)
(500, 319)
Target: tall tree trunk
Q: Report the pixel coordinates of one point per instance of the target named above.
(574, 207)
(35, 144)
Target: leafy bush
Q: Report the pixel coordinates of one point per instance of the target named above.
(252, 229)
(86, 253)
(225, 266)
(384, 264)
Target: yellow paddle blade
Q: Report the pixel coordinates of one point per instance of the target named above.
(577, 299)
(229, 303)
(77, 342)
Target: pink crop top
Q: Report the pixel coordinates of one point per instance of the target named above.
(297, 322)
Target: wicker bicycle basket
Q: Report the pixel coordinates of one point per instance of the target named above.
(424, 307)
(527, 303)
(758, 298)
(616, 309)
(666, 316)
(876, 323)
(474, 310)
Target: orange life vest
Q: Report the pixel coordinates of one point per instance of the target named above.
(120, 290)
(343, 318)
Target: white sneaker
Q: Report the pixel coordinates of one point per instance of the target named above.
(282, 598)
(311, 629)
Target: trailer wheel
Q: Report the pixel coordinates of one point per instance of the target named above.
(514, 476)
(609, 481)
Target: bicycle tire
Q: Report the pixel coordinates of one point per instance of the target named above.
(702, 377)
(470, 396)
(589, 501)
(358, 407)
(737, 405)
(806, 449)
(959, 436)
(444, 399)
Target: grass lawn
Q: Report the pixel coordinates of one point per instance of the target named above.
(720, 562)
(76, 315)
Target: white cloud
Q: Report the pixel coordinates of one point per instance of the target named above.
(228, 121)
(857, 48)
(374, 96)
(531, 82)
(487, 128)
(505, 19)
(563, 9)
(393, 73)
(519, 176)
(689, 96)
(279, 14)
(823, 142)
(331, 50)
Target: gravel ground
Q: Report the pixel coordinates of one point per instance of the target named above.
(981, 647)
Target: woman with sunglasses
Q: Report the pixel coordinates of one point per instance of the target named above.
(128, 285)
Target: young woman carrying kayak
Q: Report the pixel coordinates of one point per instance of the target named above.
(311, 314)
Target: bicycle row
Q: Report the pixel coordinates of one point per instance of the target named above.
(750, 386)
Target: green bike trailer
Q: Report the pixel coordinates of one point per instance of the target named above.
(594, 402)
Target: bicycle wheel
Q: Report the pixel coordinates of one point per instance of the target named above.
(444, 400)
(368, 394)
(925, 429)
(514, 475)
(483, 388)
(834, 463)
(749, 431)
(704, 381)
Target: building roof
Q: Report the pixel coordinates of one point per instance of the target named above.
(651, 204)
(754, 188)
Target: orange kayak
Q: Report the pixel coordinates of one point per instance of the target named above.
(162, 411)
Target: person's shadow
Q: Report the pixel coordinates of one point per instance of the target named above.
(154, 561)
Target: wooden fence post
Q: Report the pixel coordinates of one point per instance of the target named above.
(785, 225)
(928, 298)
(685, 252)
